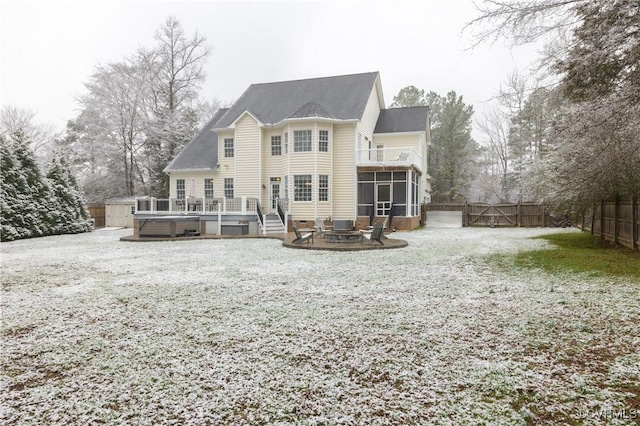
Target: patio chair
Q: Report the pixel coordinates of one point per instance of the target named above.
(301, 238)
(384, 224)
(375, 234)
(320, 226)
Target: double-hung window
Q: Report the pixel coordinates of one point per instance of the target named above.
(228, 187)
(208, 188)
(302, 187)
(301, 140)
(276, 145)
(323, 141)
(180, 189)
(286, 143)
(323, 188)
(228, 148)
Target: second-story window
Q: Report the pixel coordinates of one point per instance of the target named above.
(276, 145)
(323, 141)
(286, 143)
(301, 140)
(228, 148)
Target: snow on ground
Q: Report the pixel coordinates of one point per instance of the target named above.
(96, 330)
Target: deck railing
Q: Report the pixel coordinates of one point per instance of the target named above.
(197, 205)
(282, 205)
(389, 156)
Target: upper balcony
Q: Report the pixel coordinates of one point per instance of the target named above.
(390, 157)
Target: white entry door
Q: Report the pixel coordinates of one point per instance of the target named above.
(274, 194)
(383, 199)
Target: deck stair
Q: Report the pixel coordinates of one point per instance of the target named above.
(273, 224)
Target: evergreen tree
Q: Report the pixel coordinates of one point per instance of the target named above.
(69, 211)
(587, 148)
(453, 153)
(33, 205)
(26, 199)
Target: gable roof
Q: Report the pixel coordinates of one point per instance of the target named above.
(342, 98)
(398, 120)
(201, 153)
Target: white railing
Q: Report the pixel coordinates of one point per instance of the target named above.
(390, 156)
(196, 205)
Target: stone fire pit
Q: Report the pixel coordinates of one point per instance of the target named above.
(342, 236)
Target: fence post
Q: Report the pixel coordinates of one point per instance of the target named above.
(519, 215)
(465, 214)
(616, 226)
(602, 219)
(634, 223)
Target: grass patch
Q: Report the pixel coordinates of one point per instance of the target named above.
(582, 253)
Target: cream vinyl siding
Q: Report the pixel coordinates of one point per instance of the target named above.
(323, 166)
(272, 165)
(342, 180)
(199, 178)
(399, 140)
(303, 163)
(227, 165)
(370, 116)
(418, 142)
(247, 158)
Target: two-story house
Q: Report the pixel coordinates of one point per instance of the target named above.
(316, 148)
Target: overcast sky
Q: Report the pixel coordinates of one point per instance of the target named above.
(50, 47)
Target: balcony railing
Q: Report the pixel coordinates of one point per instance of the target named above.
(197, 205)
(389, 157)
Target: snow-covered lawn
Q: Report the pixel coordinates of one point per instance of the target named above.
(95, 330)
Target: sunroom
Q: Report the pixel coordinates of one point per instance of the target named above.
(389, 193)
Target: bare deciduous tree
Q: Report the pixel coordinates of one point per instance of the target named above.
(117, 94)
(21, 123)
(583, 137)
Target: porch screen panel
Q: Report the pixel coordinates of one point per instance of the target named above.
(400, 198)
(365, 198)
(414, 194)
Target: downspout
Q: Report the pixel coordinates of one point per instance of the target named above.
(355, 170)
(331, 182)
(315, 168)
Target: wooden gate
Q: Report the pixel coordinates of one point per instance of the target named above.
(498, 215)
(492, 215)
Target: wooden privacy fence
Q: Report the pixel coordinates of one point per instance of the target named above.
(498, 215)
(615, 221)
(97, 213)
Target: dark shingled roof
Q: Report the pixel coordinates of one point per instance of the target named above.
(201, 153)
(342, 98)
(312, 109)
(397, 120)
